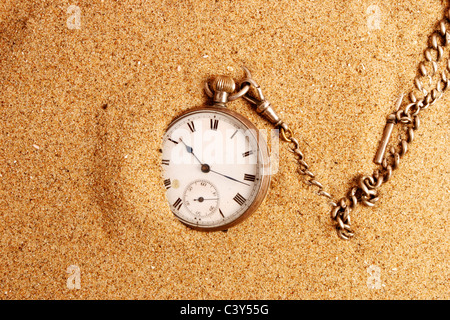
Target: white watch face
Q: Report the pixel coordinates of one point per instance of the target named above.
(213, 168)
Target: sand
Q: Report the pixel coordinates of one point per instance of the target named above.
(88, 89)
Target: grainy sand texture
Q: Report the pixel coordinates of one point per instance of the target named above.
(88, 88)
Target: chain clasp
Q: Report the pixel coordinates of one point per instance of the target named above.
(263, 106)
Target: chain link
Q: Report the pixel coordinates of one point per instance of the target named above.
(264, 108)
(406, 115)
(303, 167)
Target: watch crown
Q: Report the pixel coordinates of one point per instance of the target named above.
(223, 83)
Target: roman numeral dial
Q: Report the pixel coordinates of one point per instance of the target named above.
(178, 203)
(247, 153)
(249, 177)
(214, 123)
(239, 199)
(191, 126)
(212, 168)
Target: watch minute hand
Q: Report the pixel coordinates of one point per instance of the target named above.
(223, 175)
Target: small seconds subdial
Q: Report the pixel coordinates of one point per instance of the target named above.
(201, 198)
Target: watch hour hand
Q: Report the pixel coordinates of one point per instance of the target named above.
(191, 151)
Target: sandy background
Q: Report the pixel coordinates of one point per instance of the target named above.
(82, 113)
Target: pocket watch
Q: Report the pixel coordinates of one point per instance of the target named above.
(215, 162)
